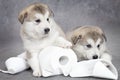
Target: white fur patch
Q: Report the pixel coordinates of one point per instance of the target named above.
(37, 15)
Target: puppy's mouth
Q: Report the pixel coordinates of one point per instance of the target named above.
(45, 35)
(42, 35)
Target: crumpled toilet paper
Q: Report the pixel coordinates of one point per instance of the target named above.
(95, 68)
(56, 60)
(15, 65)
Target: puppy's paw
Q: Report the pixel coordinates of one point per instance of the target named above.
(37, 73)
(66, 44)
(107, 65)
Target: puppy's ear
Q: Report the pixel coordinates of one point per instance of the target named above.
(103, 34)
(22, 16)
(51, 12)
(75, 39)
(42, 8)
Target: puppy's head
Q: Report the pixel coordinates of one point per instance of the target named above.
(36, 20)
(88, 41)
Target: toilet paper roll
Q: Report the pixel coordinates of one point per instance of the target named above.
(15, 65)
(56, 60)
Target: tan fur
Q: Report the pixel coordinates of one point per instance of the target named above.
(85, 32)
(27, 14)
(28, 55)
(32, 9)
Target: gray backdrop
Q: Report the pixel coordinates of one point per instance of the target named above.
(68, 14)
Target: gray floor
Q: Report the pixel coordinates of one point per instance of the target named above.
(69, 14)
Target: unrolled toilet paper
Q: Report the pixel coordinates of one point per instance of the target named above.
(56, 60)
(15, 65)
(95, 68)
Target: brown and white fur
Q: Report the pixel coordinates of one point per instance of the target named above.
(89, 43)
(38, 31)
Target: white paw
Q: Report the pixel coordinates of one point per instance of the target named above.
(66, 45)
(106, 64)
(37, 73)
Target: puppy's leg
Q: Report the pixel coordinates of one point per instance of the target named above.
(106, 57)
(33, 61)
(60, 41)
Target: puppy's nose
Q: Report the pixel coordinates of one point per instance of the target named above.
(95, 56)
(46, 30)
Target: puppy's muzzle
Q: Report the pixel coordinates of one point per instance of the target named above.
(95, 57)
(47, 30)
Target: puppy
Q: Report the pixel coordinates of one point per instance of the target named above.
(38, 31)
(89, 43)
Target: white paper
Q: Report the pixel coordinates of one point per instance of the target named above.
(15, 65)
(94, 68)
(56, 60)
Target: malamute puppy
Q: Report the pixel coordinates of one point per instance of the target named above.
(38, 31)
(89, 43)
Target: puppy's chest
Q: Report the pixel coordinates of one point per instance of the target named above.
(42, 44)
(38, 44)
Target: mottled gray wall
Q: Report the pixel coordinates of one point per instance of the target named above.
(68, 13)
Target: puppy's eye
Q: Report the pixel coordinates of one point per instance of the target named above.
(47, 19)
(98, 46)
(38, 20)
(88, 46)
